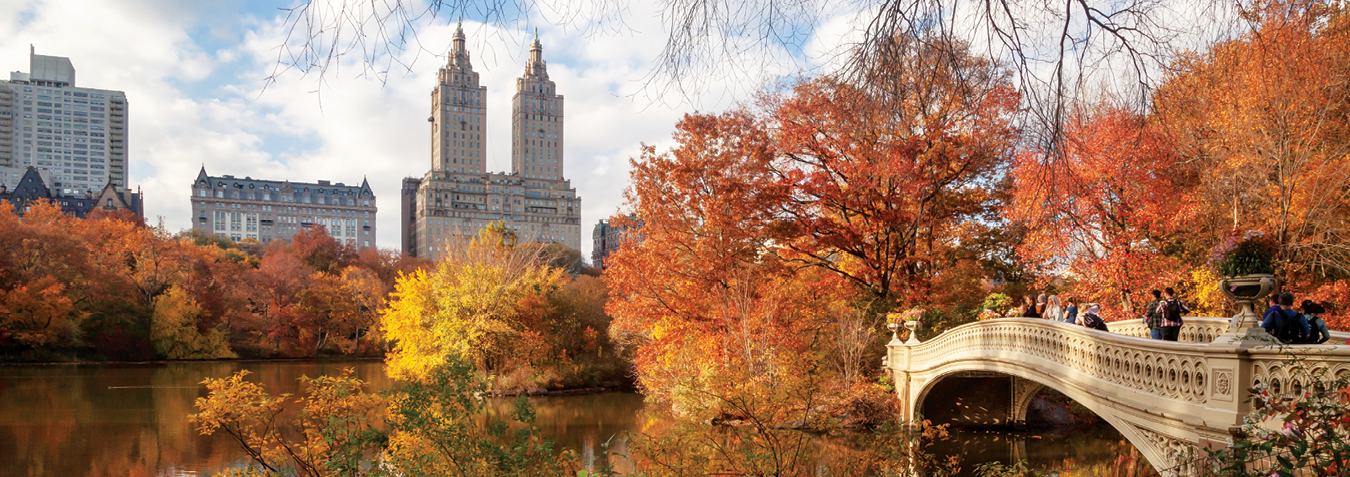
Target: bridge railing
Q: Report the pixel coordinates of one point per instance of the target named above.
(1176, 370)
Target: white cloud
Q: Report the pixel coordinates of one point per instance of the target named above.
(194, 79)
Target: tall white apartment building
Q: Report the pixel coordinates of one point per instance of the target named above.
(75, 137)
(458, 197)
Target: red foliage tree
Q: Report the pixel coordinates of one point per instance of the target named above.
(1101, 214)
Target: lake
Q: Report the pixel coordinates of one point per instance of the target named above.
(131, 421)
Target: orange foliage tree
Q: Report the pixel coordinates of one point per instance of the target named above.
(1263, 117)
(711, 314)
(1102, 213)
(109, 287)
(876, 185)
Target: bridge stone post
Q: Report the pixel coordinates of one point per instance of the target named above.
(1232, 370)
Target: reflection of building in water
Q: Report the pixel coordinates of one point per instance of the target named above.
(457, 197)
(265, 210)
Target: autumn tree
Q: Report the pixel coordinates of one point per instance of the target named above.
(334, 429)
(466, 306)
(175, 330)
(1103, 215)
(877, 184)
(319, 250)
(720, 326)
(37, 314)
(1263, 118)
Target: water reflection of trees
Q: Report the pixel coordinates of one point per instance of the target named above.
(126, 420)
(132, 421)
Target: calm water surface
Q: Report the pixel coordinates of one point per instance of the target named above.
(131, 421)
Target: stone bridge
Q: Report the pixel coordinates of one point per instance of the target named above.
(1169, 399)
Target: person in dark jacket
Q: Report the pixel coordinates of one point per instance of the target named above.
(1318, 328)
(1284, 312)
(1029, 309)
(1269, 315)
(1151, 317)
(1092, 320)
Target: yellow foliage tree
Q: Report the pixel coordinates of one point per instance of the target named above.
(332, 434)
(467, 306)
(175, 332)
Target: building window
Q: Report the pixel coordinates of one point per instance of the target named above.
(220, 194)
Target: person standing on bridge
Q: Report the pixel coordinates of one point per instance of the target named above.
(1052, 309)
(1269, 314)
(1285, 324)
(1029, 309)
(1313, 312)
(1152, 319)
(1171, 309)
(1092, 320)
(1071, 313)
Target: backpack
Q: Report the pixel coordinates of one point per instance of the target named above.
(1288, 330)
(1170, 310)
(1316, 336)
(1095, 322)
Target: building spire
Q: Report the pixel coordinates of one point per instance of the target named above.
(457, 54)
(536, 65)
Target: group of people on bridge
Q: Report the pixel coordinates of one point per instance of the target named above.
(1295, 326)
(1163, 316)
(1050, 308)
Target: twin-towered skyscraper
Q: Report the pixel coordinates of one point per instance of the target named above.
(458, 197)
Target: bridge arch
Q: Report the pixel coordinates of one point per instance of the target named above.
(1028, 382)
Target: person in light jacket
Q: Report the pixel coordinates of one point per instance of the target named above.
(1052, 309)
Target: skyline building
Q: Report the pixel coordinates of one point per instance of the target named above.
(457, 197)
(32, 187)
(536, 121)
(76, 137)
(458, 116)
(607, 237)
(267, 210)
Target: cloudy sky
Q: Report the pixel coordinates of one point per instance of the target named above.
(194, 73)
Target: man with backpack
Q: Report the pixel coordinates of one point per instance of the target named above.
(1170, 310)
(1285, 324)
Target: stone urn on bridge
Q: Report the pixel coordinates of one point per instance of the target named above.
(1247, 263)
